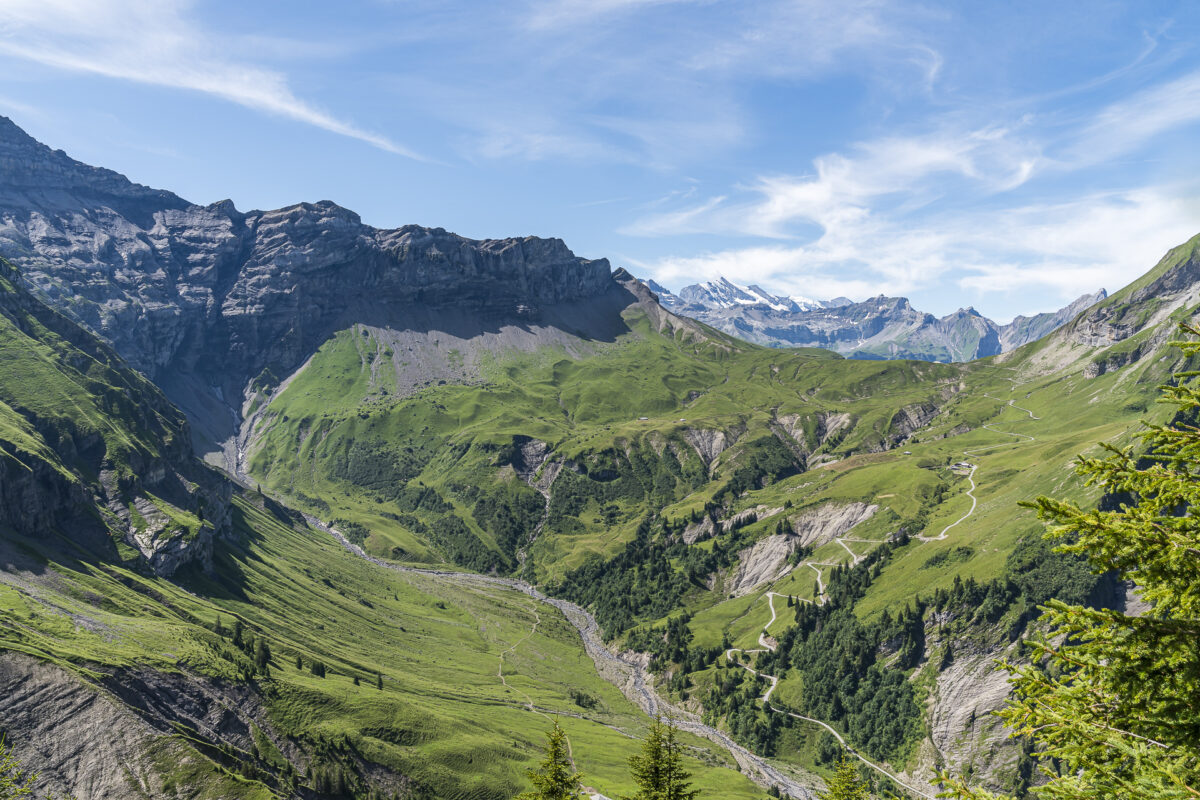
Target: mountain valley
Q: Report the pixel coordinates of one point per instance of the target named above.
(294, 506)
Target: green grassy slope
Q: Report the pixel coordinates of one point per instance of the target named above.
(399, 465)
(88, 443)
(443, 720)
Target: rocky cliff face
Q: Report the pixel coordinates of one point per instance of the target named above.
(1023, 330)
(204, 298)
(880, 327)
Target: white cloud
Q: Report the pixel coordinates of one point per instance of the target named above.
(954, 207)
(156, 43)
(1046, 254)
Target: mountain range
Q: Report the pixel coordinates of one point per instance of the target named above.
(880, 327)
(456, 489)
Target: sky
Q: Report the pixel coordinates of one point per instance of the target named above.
(1008, 156)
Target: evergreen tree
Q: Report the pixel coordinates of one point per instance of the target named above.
(555, 778)
(299, 662)
(15, 781)
(846, 784)
(1110, 699)
(262, 654)
(379, 680)
(317, 668)
(658, 769)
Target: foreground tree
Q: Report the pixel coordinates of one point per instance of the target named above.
(15, 781)
(845, 784)
(555, 778)
(658, 769)
(1111, 699)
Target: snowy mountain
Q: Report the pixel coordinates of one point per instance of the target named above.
(879, 327)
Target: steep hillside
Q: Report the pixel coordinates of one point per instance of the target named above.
(91, 448)
(685, 488)
(880, 327)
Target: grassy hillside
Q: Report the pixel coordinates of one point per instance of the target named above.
(685, 487)
(626, 421)
(444, 724)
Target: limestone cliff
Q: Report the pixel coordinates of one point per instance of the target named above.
(205, 298)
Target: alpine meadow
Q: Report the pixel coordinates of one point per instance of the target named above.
(296, 506)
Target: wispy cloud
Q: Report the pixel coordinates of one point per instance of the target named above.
(1130, 123)
(566, 13)
(658, 83)
(954, 205)
(902, 173)
(157, 43)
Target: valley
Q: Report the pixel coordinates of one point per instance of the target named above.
(381, 505)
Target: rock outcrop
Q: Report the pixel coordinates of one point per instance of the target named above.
(827, 522)
(764, 562)
(768, 559)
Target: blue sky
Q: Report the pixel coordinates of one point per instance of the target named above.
(1007, 156)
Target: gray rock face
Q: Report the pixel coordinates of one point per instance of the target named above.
(203, 298)
(1023, 330)
(880, 327)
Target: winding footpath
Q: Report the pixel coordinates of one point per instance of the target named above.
(768, 644)
(971, 473)
(773, 683)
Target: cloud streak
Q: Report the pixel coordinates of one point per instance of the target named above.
(156, 43)
(1052, 251)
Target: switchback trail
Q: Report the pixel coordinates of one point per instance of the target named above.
(768, 644)
(766, 701)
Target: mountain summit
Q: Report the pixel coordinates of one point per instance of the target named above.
(204, 299)
(880, 327)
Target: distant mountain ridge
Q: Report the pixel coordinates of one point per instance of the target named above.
(880, 327)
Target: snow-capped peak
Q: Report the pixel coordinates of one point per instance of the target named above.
(724, 293)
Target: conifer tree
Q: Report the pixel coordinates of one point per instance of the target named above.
(379, 680)
(555, 778)
(15, 781)
(845, 784)
(1110, 699)
(262, 654)
(658, 769)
